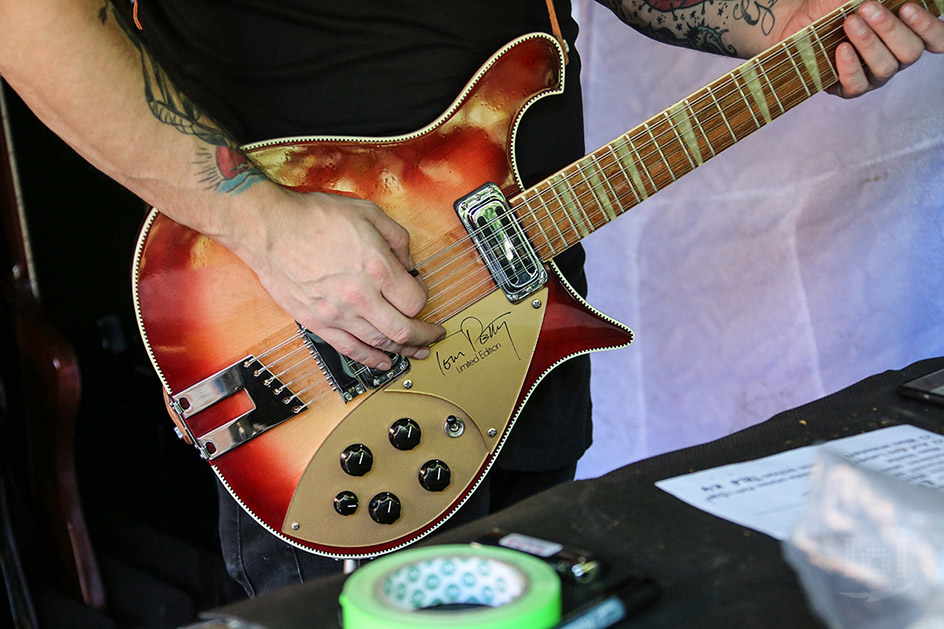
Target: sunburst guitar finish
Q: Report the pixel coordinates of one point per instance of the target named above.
(201, 311)
(205, 318)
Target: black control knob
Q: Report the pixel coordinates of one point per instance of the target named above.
(434, 475)
(345, 503)
(356, 459)
(384, 508)
(404, 434)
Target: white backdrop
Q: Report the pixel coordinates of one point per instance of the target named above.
(800, 261)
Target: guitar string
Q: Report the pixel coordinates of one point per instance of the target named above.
(565, 177)
(580, 171)
(673, 127)
(826, 25)
(783, 48)
(826, 22)
(594, 164)
(298, 395)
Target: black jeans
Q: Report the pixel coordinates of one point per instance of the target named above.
(260, 562)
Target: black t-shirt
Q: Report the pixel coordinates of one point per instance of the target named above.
(268, 69)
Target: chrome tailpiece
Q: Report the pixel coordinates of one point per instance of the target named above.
(273, 403)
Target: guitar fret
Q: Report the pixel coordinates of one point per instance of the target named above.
(578, 206)
(700, 129)
(809, 59)
(633, 181)
(756, 89)
(567, 200)
(617, 200)
(796, 68)
(664, 159)
(637, 158)
(825, 57)
(630, 158)
(560, 204)
(746, 102)
(770, 85)
(537, 222)
(721, 113)
(550, 215)
(583, 175)
(597, 186)
(686, 137)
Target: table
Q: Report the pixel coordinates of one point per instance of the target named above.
(712, 572)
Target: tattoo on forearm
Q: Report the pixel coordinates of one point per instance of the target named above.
(699, 24)
(756, 13)
(221, 166)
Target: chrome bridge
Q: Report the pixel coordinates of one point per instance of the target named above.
(502, 243)
(349, 377)
(273, 403)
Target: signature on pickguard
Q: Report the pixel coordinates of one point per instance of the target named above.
(477, 341)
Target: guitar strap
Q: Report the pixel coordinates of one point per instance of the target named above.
(555, 28)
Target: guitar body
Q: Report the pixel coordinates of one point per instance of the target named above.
(201, 311)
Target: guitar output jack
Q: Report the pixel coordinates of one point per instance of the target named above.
(454, 426)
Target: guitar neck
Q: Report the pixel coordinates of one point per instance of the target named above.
(568, 206)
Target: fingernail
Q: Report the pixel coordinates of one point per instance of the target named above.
(384, 366)
(909, 12)
(858, 25)
(848, 53)
(871, 11)
(422, 354)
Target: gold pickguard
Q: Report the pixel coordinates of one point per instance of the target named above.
(476, 374)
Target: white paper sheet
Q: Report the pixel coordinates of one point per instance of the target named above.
(767, 494)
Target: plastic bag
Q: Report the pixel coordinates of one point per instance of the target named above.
(869, 549)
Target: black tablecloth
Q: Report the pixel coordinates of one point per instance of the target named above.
(712, 572)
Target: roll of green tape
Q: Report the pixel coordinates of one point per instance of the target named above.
(406, 590)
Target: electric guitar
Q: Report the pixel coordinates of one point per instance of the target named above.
(346, 461)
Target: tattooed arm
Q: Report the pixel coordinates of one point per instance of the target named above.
(337, 265)
(881, 43)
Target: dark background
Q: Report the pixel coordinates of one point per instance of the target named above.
(148, 499)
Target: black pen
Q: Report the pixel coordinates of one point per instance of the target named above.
(609, 610)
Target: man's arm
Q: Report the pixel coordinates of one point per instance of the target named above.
(880, 42)
(339, 266)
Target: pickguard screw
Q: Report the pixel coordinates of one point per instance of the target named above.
(492, 432)
(294, 526)
(407, 384)
(536, 303)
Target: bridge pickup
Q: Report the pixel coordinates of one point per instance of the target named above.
(273, 403)
(503, 245)
(349, 377)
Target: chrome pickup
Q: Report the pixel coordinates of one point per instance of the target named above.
(349, 377)
(273, 403)
(503, 245)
